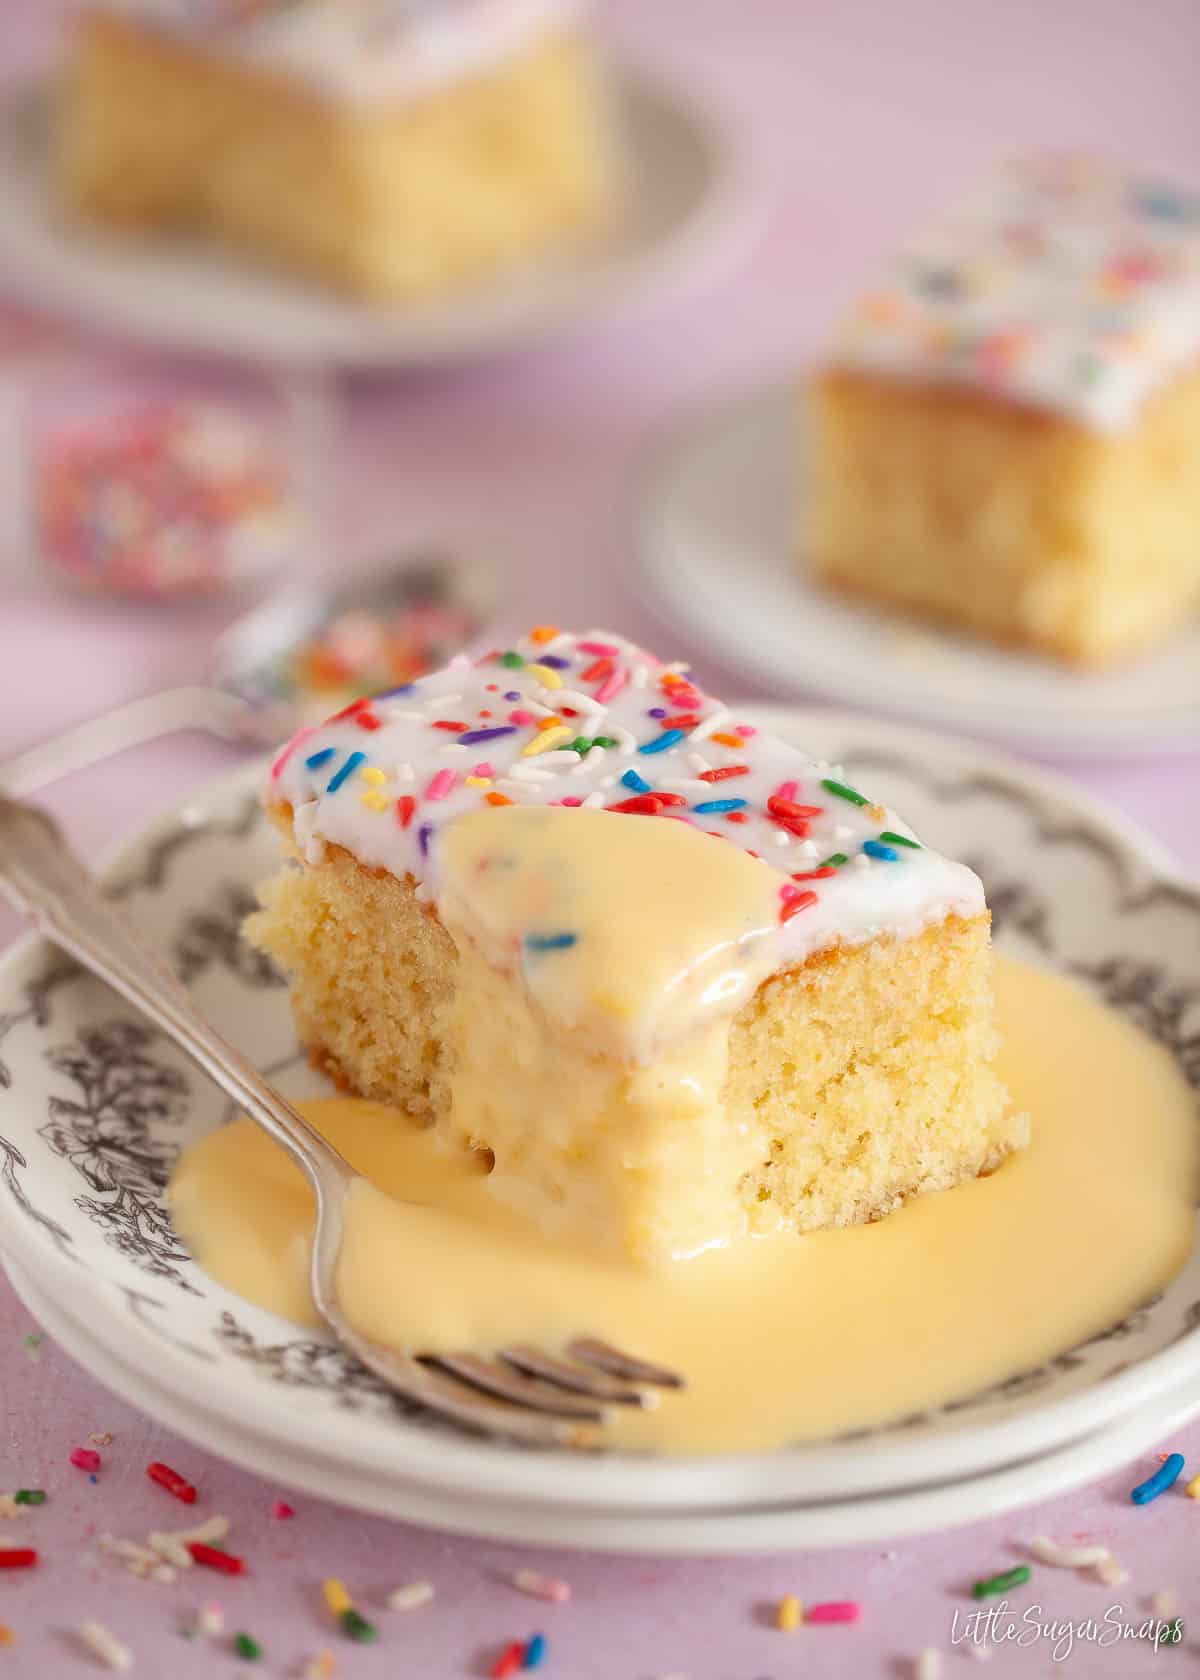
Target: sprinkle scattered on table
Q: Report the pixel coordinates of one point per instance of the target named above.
(106, 1647)
(337, 1598)
(995, 1584)
(172, 1481)
(788, 1614)
(212, 1558)
(356, 1626)
(1068, 1557)
(412, 1597)
(1165, 1476)
(508, 1662)
(541, 1586)
(847, 1610)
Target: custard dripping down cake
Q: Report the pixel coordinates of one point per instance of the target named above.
(504, 912)
(1006, 436)
(391, 148)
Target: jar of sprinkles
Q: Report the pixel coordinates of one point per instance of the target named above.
(160, 499)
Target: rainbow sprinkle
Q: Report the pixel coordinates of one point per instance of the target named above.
(553, 722)
(412, 1597)
(357, 1627)
(105, 1647)
(1164, 1477)
(995, 1584)
(347, 770)
(668, 738)
(440, 785)
(788, 1614)
(172, 1481)
(541, 1586)
(337, 1599)
(847, 1610)
(851, 795)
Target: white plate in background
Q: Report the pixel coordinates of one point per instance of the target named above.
(687, 202)
(717, 528)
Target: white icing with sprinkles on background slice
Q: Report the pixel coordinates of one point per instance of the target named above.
(1062, 283)
(385, 778)
(358, 49)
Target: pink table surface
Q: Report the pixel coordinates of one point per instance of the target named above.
(856, 119)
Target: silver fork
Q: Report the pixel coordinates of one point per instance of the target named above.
(522, 1393)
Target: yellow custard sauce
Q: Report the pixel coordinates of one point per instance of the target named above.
(781, 1337)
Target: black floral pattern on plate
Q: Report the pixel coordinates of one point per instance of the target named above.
(111, 1135)
(213, 937)
(308, 1363)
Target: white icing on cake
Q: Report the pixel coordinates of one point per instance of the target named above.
(1061, 283)
(390, 807)
(357, 49)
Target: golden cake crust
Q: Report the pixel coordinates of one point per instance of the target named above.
(1020, 524)
(388, 199)
(863, 1075)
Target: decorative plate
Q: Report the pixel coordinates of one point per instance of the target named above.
(716, 531)
(686, 203)
(95, 1107)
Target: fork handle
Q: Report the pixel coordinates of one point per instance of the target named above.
(40, 873)
(174, 709)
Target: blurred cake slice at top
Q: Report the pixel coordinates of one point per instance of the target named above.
(1006, 434)
(393, 149)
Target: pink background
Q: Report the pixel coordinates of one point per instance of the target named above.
(857, 118)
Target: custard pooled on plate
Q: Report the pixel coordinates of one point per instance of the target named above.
(504, 912)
